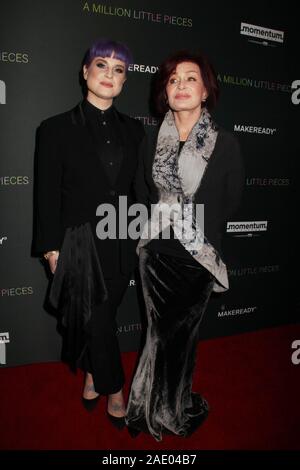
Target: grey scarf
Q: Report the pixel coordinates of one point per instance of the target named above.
(178, 177)
(186, 173)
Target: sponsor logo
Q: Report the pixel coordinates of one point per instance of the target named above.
(271, 182)
(14, 180)
(296, 94)
(235, 311)
(254, 129)
(129, 328)
(142, 68)
(253, 83)
(15, 291)
(2, 92)
(2, 239)
(137, 15)
(295, 358)
(262, 35)
(147, 120)
(253, 270)
(14, 57)
(4, 339)
(247, 229)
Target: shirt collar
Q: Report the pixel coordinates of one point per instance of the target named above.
(94, 112)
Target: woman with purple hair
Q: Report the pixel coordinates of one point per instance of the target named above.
(86, 157)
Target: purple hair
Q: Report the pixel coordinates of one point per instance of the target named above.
(105, 48)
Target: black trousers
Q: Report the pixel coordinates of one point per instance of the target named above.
(101, 356)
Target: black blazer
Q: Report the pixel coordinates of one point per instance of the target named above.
(71, 181)
(220, 189)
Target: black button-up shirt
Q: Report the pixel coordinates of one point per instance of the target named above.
(107, 136)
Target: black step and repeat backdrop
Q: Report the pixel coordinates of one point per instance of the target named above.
(254, 50)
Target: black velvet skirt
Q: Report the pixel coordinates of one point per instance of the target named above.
(176, 290)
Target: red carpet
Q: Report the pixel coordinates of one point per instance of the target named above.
(249, 380)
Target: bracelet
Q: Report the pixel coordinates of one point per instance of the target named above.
(49, 253)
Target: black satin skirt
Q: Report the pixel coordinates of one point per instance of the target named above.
(176, 291)
(78, 286)
(88, 304)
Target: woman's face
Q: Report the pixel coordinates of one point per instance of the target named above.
(105, 77)
(185, 88)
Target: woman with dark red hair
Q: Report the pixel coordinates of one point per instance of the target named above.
(193, 176)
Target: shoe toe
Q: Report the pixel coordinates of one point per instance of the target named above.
(117, 422)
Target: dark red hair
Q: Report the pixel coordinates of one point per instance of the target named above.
(169, 65)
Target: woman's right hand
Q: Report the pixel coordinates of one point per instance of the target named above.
(52, 260)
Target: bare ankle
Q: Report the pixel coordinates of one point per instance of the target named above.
(89, 379)
(89, 391)
(116, 396)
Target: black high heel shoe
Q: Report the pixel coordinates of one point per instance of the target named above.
(90, 403)
(118, 423)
